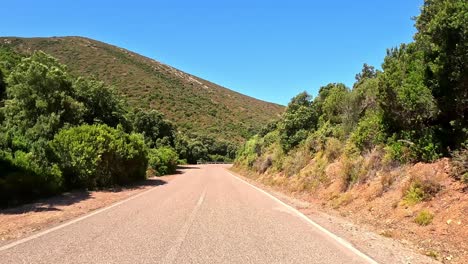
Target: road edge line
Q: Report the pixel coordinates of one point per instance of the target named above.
(73, 221)
(338, 239)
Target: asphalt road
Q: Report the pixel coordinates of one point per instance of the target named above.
(204, 215)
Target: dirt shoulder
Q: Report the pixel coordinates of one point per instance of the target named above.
(385, 235)
(21, 221)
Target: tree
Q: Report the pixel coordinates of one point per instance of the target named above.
(443, 37)
(40, 99)
(2, 87)
(298, 118)
(367, 72)
(102, 104)
(197, 152)
(334, 103)
(406, 101)
(157, 130)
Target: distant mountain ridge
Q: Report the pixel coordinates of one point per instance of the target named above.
(193, 104)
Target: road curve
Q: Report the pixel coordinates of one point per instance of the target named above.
(204, 215)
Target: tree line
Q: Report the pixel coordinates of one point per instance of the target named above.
(60, 132)
(415, 108)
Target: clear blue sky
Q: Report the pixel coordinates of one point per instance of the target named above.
(270, 50)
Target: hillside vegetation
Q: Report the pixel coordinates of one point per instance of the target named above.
(60, 132)
(196, 106)
(359, 145)
(78, 113)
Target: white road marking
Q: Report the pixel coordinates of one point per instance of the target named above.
(338, 239)
(172, 253)
(26, 239)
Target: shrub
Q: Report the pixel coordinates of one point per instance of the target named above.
(316, 141)
(270, 138)
(352, 169)
(426, 147)
(369, 132)
(333, 149)
(424, 218)
(249, 152)
(398, 151)
(163, 160)
(22, 181)
(295, 162)
(98, 156)
(420, 190)
(459, 164)
(412, 148)
(261, 165)
(341, 200)
(386, 180)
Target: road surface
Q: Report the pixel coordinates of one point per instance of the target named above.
(204, 215)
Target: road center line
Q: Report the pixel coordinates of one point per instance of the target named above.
(338, 239)
(172, 253)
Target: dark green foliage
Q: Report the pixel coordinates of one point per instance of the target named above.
(2, 87)
(21, 179)
(332, 103)
(40, 100)
(97, 156)
(298, 118)
(163, 160)
(157, 131)
(102, 104)
(197, 152)
(369, 131)
(199, 148)
(443, 38)
(406, 101)
(44, 147)
(271, 126)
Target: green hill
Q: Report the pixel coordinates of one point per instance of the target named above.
(197, 106)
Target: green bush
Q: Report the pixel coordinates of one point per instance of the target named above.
(163, 160)
(426, 147)
(369, 132)
(399, 151)
(98, 156)
(23, 180)
(421, 190)
(249, 152)
(424, 218)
